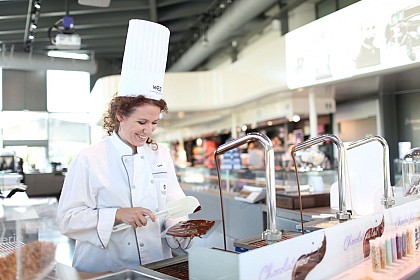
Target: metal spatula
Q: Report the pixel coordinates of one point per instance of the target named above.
(175, 209)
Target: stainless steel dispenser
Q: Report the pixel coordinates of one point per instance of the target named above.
(343, 214)
(411, 173)
(271, 234)
(388, 199)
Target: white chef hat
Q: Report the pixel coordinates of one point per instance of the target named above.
(144, 62)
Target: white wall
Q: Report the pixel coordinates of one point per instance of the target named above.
(222, 91)
(259, 74)
(356, 120)
(357, 110)
(353, 130)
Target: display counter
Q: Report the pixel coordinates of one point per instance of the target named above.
(345, 243)
(203, 184)
(234, 180)
(336, 252)
(322, 254)
(407, 268)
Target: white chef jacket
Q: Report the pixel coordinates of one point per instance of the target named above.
(103, 178)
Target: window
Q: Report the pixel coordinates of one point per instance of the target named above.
(68, 134)
(67, 91)
(24, 125)
(55, 135)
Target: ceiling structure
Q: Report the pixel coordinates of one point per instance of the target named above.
(192, 23)
(103, 30)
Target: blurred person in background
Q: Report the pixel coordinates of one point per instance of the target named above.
(256, 156)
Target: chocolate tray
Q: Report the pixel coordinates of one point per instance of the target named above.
(256, 241)
(309, 200)
(318, 224)
(176, 267)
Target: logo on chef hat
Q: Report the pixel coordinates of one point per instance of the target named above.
(144, 62)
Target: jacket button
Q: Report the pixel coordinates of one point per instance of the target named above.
(128, 243)
(152, 181)
(142, 157)
(141, 244)
(157, 210)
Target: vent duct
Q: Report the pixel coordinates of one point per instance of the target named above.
(241, 12)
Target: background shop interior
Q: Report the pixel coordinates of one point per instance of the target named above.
(47, 117)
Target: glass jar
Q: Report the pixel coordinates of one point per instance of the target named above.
(411, 173)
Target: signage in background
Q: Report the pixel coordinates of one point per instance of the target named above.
(384, 35)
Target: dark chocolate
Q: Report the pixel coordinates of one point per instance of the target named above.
(179, 270)
(190, 228)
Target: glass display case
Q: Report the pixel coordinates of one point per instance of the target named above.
(235, 180)
(411, 173)
(29, 237)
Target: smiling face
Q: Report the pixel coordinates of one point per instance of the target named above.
(136, 128)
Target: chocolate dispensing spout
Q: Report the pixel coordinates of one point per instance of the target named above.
(271, 234)
(343, 214)
(388, 199)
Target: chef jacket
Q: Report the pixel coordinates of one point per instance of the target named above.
(108, 176)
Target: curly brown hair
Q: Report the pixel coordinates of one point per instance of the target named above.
(125, 105)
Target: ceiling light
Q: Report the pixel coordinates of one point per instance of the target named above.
(199, 142)
(31, 24)
(71, 55)
(95, 3)
(294, 118)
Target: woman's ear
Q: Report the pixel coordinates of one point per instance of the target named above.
(119, 116)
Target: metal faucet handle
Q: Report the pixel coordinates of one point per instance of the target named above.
(343, 214)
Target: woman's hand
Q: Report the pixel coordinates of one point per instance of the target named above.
(136, 216)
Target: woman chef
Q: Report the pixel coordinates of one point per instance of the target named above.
(125, 177)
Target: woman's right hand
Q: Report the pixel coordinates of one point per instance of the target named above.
(136, 216)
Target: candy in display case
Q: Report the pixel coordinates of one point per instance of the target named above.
(28, 237)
